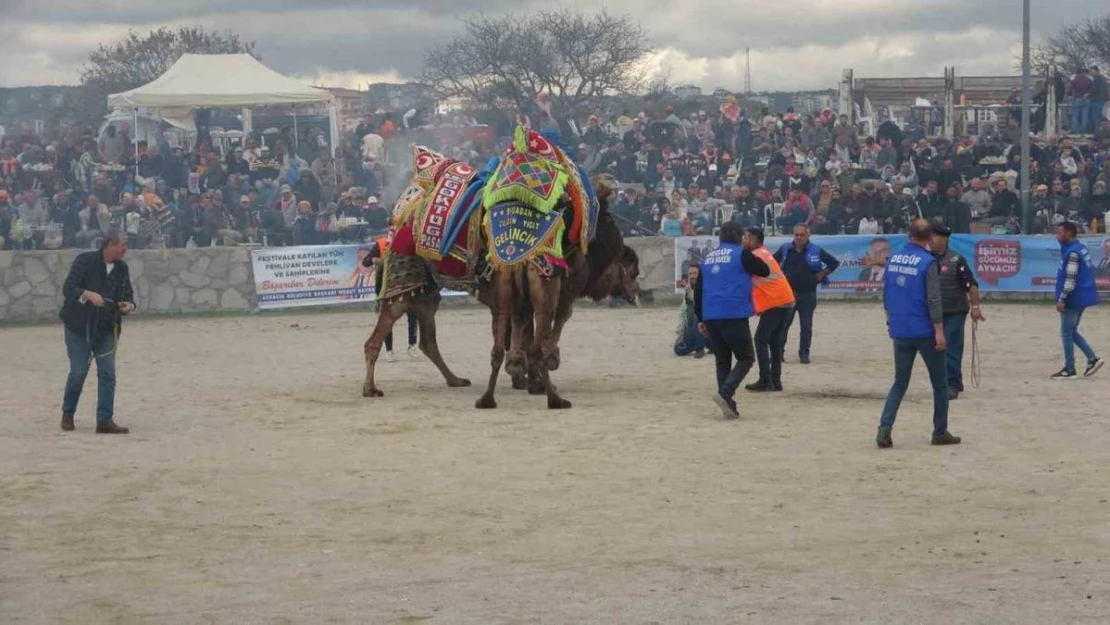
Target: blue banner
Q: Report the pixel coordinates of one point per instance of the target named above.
(1000, 263)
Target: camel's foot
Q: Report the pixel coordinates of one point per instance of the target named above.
(485, 402)
(369, 390)
(520, 383)
(554, 402)
(552, 360)
(458, 383)
(516, 364)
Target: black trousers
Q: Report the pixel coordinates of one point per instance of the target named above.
(412, 332)
(770, 341)
(804, 307)
(729, 339)
(378, 275)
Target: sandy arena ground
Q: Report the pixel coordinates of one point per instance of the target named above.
(260, 487)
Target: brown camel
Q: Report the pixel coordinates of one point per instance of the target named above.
(610, 269)
(530, 299)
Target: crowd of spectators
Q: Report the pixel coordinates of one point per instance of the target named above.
(679, 175)
(687, 175)
(285, 190)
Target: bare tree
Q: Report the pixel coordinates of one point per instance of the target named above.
(1076, 46)
(504, 62)
(661, 84)
(139, 59)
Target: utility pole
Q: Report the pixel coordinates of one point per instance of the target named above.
(748, 72)
(1026, 183)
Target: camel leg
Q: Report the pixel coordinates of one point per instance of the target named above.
(501, 307)
(425, 311)
(517, 364)
(573, 285)
(563, 312)
(535, 381)
(544, 294)
(372, 348)
(520, 381)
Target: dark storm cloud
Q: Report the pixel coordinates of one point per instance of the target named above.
(50, 38)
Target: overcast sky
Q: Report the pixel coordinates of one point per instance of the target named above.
(795, 45)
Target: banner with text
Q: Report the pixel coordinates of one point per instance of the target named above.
(1000, 263)
(317, 275)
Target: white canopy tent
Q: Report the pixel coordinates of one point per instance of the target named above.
(223, 81)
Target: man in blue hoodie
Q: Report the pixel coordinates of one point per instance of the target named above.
(1075, 292)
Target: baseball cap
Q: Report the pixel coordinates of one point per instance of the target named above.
(286, 188)
(372, 200)
(244, 198)
(942, 230)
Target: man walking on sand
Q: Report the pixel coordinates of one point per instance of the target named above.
(1075, 292)
(723, 305)
(97, 294)
(957, 287)
(915, 321)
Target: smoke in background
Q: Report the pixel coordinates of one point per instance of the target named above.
(398, 172)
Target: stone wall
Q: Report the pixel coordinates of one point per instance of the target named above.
(165, 281)
(219, 279)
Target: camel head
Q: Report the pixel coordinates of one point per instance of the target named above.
(614, 268)
(604, 186)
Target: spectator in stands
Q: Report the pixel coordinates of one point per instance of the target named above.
(1080, 91)
(1005, 206)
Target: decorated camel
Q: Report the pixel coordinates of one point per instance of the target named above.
(527, 233)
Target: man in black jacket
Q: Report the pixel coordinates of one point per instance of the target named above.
(97, 294)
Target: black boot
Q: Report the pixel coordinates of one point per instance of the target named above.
(760, 386)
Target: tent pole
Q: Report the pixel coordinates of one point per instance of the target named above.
(135, 138)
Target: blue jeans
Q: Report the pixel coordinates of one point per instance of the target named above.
(690, 341)
(1080, 114)
(954, 325)
(81, 352)
(1069, 334)
(1096, 114)
(905, 351)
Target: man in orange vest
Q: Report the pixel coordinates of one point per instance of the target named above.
(774, 303)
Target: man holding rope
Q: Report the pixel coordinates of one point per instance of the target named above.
(97, 294)
(957, 285)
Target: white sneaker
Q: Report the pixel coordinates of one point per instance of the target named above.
(414, 353)
(389, 357)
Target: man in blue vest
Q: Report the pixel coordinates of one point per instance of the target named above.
(915, 321)
(1075, 292)
(806, 265)
(723, 304)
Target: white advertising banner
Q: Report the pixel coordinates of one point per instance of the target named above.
(316, 275)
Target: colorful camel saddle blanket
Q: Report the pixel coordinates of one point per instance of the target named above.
(518, 233)
(405, 275)
(579, 187)
(530, 173)
(444, 207)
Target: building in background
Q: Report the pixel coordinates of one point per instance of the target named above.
(687, 91)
